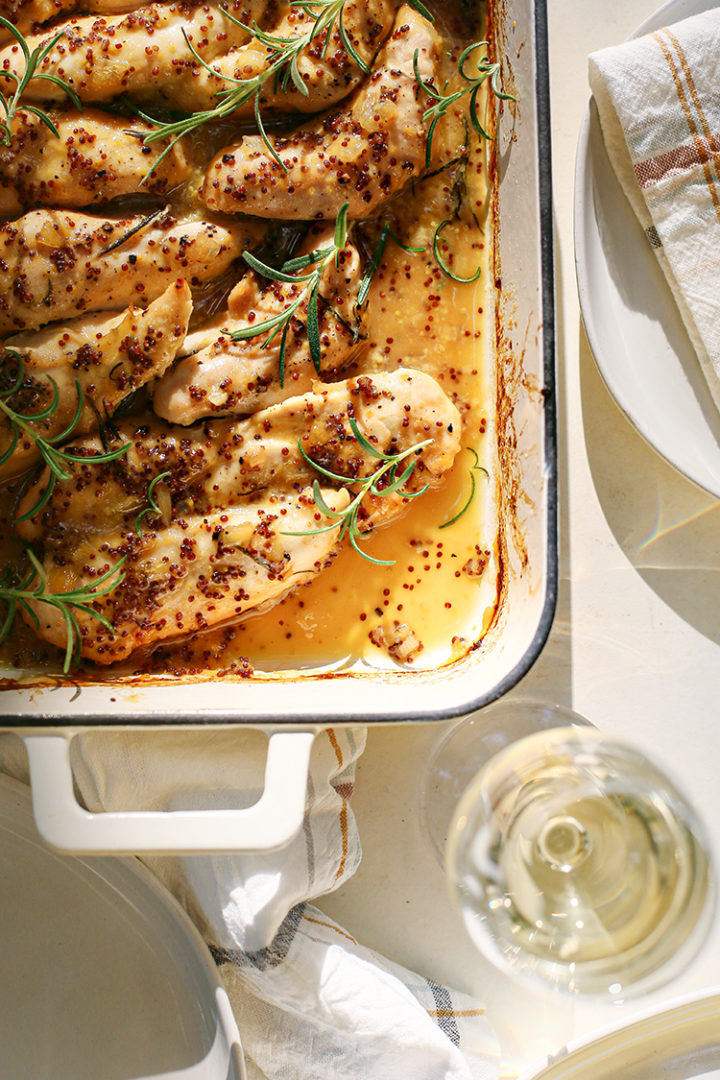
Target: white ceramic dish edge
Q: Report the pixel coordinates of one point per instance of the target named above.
(663, 1042)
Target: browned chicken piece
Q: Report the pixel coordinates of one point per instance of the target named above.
(190, 575)
(397, 639)
(103, 57)
(230, 377)
(227, 494)
(329, 74)
(95, 159)
(105, 356)
(143, 53)
(215, 464)
(25, 15)
(56, 263)
(361, 155)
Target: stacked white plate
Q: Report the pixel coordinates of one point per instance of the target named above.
(102, 975)
(633, 324)
(679, 1041)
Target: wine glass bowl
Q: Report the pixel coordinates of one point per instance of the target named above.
(572, 857)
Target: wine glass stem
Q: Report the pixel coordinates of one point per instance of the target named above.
(563, 843)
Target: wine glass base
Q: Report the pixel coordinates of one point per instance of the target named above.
(572, 858)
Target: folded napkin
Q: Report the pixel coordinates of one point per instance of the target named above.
(311, 1003)
(659, 106)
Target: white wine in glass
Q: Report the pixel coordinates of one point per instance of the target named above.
(573, 858)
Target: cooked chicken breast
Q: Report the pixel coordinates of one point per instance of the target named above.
(361, 155)
(109, 356)
(216, 464)
(55, 263)
(26, 14)
(103, 57)
(143, 53)
(191, 575)
(328, 73)
(184, 561)
(95, 159)
(228, 377)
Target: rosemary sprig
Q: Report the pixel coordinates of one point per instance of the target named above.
(422, 10)
(437, 239)
(347, 520)
(319, 260)
(153, 507)
(282, 68)
(33, 60)
(442, 100)
(386, 234)
(142, 224)
(67, 603)
(477, 467)
(49, 450)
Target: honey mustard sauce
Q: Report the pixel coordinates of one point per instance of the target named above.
(438, 598)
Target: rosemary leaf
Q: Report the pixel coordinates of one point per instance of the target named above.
(477, 467)
(41, 502)
(350, 48)
(153, 507)
(322, 505)
(487, 72)
(347, 520)
(386, 234)
(364, 442)
(443, 266)
(5, 457)
(419, 7)
(313, 326)
(48, 447)
(66, 603)
(283, 351)
(278, 275)
(135, 229)
(11, 103)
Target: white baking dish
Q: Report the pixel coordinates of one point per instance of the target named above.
(294, 707)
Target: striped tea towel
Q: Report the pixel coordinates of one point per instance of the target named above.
(658, 98)
(311, 1003)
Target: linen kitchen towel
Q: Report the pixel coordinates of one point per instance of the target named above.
(311, 1002)
(659, 107)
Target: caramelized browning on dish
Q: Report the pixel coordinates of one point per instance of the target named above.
(240, 354)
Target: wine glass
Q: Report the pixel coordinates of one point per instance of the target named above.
(572, 857)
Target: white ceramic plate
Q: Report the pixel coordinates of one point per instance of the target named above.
(634, 328)
(102, 975)
(680, 1041)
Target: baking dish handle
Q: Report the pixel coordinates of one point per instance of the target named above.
(269, 823)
